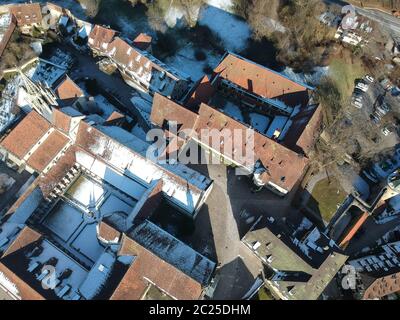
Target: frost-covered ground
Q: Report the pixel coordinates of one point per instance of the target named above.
(234, 32)
(309, 78)
(225, 5)
(184, 60)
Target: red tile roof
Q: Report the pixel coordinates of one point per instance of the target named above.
(7, 35)
(107, 232)
(261, 81)
(25, 237)
(305, 130)
(27, 14)
(68, 90)
(132, 59)
(166, 109)
(383, 286)
(115, 116)
(100, 37)
(26, 134)
(142, 41)
(148, 267)
(61, 120)
(202, 94)
(25, 291)
(47, 151)
(285, 167)
(56, 173)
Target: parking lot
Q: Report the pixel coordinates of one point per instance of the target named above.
(371, 114)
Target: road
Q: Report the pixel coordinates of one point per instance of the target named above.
(386, 20)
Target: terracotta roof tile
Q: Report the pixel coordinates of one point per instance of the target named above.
(26, 134)
(61, 120)
(24, 290)
(142, 41)
(56, 173)
(115, 116)
(47, 151)
(166, 109)
(285, 167)
(100, 37)
(26, 237)
(68, 91)
(27, 14)
(107, 232)
(202, 94)
(145, 266)
(261, 81)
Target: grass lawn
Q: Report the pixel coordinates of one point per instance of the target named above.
(325, 197)
(344, 74)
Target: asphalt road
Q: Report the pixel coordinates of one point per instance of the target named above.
(391, 23)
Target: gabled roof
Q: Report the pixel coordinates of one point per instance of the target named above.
(134, 60)
(26, 134)
(25, 292)
(284, 166)
(202, 94)
(261, 81)
(27, 14)
(108, 233)
(166, 109)
(142, 41)
(47, 151)
(68, 91)
(305, 129)
(9, 263)
(61, 120)
(100, 37)
(147, 269)
(25, 237)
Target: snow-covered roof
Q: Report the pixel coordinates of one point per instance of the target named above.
(126, 153)
(174, 251)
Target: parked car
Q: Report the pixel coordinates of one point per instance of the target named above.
(386, 131)
(375, 118)
(362, 86)
(395, 91)
(356, 103)
(369, 78)
(386, 84)
(383, 109)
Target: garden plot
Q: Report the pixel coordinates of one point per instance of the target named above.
(86, 192)
(64, 221)
(87, 243)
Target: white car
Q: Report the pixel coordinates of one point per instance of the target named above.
(362, 86)
(386, 131)
(369, 78)
(357, 104)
